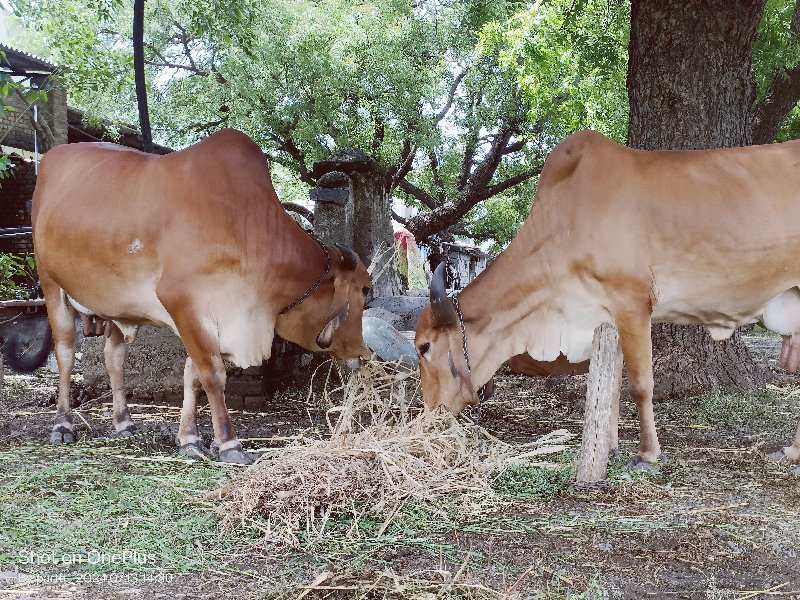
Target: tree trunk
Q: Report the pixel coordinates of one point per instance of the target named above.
(690, 86)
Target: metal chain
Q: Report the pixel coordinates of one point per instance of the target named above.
(473, 413)
(316, 284)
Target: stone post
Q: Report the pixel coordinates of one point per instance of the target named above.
(333, 208)
(372, 234)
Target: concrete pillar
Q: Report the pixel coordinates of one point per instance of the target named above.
(333, 208)
(370, 210)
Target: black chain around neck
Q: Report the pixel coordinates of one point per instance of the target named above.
(314, 285)
(473, 412)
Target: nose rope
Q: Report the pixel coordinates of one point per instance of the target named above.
(473, 413)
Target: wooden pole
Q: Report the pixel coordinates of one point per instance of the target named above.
(602, 405)
(138, 75)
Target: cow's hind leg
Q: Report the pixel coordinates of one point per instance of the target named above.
(637, 351)
(62, 324)
(789, 453)
(790, 360)
(114, 354)
(189, 440)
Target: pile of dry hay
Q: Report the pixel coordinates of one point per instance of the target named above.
(381, 453)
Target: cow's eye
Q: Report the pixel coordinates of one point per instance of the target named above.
(424, 348)
(365, 290)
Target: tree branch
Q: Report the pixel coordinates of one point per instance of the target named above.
(417, 193)
(394, 176)
(41, 126)
(470, 147)
(450, 96)
(499, 188)
(204, 126)
(185, 39)
(475, 189)
(287, 145)
(437, 179)
(515, 146)
(399, 219)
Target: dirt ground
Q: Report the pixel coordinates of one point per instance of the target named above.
(719, 521)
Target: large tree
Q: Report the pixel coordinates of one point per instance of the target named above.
(423, 87)
(400, 80)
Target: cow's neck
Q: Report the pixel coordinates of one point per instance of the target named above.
(501, 305)
(307, 262)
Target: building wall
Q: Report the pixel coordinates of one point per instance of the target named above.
(17, 132)
(15, 194)
(16, 128)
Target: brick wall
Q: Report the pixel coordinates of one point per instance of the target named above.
(17, 131)
(15, 193)
(16, 128)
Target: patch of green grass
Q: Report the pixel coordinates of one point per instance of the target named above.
(729, 409)
(759, 331)
(94, 509)
(524, 482)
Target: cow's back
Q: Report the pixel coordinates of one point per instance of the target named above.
(110, 224)
(698, 227)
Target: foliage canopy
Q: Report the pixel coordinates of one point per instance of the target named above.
(459, 101)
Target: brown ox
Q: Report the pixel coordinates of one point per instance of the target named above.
(628, 237)
(195, 242)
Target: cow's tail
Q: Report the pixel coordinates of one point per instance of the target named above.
(25, 356)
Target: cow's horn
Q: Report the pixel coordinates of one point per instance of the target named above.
(349, 258)
(442, 307)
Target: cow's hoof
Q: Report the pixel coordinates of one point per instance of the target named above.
(614, 454)
(236, 456)
(195, 450)
(127, 432)
(62, 435)
(637, 464)
(778, 456)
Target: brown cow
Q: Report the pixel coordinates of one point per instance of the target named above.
(628, 237)
(195, 242)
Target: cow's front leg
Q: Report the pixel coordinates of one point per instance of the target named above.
(114, 354)
(203, 348)
(201, 339)
(212, 376)
(637, 351)
(189, 440)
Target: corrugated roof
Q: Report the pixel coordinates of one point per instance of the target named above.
(24, 63)
(128, 135)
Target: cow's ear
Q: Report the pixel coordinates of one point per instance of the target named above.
(326, 335)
